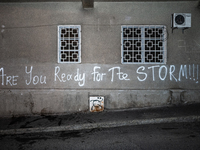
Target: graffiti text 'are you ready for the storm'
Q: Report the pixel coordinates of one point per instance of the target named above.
(158, 72)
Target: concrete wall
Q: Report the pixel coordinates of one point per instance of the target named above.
(28, 46)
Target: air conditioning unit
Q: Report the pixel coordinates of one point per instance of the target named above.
(181, 20)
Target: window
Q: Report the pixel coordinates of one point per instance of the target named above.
(69, 44)
(143, 44)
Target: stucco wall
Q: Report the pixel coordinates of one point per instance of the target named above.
(28, 46)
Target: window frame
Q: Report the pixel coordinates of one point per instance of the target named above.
(143, 39)
(59, 27)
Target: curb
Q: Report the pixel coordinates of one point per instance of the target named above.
(101, 125)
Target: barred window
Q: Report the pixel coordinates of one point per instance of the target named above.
(69, 44)
(143, 44)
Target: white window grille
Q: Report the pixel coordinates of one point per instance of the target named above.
(69, 44)
(143, 44)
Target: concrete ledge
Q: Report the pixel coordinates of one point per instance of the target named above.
(57, 101)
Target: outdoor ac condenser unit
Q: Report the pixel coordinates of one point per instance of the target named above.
(181, 20)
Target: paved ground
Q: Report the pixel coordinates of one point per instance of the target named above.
(174, 127)
(82, 121)
(172, 136)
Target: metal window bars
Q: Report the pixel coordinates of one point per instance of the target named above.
(143, 44)
(69, 44)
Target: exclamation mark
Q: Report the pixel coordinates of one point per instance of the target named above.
(197, 73)
(193, 70)
(98, 25)
(189, 71)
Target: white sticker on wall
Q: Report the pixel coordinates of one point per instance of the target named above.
(96, 103)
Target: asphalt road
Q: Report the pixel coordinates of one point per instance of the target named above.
(184, 136)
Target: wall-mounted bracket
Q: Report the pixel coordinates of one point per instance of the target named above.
(183, 29)
(88, 4)
(173, 29)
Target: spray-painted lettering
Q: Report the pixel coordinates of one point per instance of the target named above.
(63, 77)
(162, 72)
(96, 75)
(121, 75)
(8, 80)
(34, 79)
